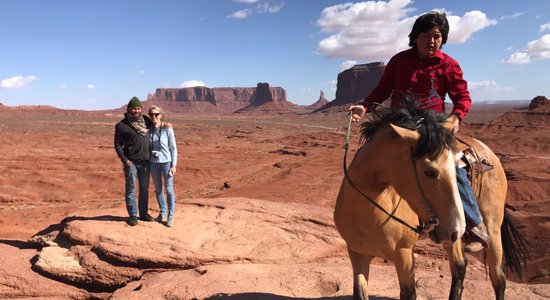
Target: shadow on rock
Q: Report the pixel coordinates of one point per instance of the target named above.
(59, 226)
(95, 218)
(18, 244)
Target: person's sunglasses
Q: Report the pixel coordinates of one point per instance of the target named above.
(154, 114)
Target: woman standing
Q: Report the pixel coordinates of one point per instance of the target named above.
(163, 161)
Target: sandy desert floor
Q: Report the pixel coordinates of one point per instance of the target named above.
(56, 165)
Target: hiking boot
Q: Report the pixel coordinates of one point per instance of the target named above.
(132, 221)
(478, 239)
(147, 218)
(162, 218)
(170, 222)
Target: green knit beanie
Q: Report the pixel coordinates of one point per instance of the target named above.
(134, 102)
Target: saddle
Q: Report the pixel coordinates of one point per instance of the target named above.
(472, 157)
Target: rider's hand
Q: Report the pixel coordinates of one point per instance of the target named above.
(357, 112)
(454, 123)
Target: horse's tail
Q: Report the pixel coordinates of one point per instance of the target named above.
(514, 245)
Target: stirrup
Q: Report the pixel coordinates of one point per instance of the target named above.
(478, 239)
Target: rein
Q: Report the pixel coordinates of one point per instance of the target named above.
(423, 228)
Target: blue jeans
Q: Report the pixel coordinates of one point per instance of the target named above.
(160, 172)
(471, 209)
(141, 171)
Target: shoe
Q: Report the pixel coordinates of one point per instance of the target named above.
(162, 218)
(132, 221)
(147, 218)
(170, 222)
(473, 247)
(477, 239)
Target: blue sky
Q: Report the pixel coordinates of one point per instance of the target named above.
(83, 54)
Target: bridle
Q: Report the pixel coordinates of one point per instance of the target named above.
(420, 229)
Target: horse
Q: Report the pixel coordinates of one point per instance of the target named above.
(402, 183)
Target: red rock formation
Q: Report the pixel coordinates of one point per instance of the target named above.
(219, 100)
(540, 104)
(322, 101)
(356, 83)
(269, 100)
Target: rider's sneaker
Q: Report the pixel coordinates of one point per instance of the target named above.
(478, 239)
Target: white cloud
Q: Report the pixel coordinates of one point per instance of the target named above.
(512, 16)
(376, 30)
(246, 1)
(241, 14)
(534, 50)
(347, 64)
(90, 86)
(462, 28)
(269, 8)
(487, 86)
(192, 83)
(544, 27)
(141, 72)
(17, 82)
(261, 8)
(63, 86)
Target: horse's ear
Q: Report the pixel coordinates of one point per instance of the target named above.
(410, 136)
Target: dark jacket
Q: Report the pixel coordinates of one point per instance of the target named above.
(129, 144)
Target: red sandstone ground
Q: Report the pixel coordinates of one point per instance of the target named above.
(59, 164)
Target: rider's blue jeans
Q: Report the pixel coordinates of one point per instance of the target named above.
(471, 209)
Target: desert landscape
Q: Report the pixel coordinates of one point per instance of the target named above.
(255, 194)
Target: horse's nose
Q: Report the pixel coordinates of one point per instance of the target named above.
(453, 236)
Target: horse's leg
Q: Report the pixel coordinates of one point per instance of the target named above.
(458, 263)
(361, 265)
(494, 259)
(404, 264)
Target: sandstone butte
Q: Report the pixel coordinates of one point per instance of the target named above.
(353, 84)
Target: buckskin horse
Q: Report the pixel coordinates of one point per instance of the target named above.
(401, 183)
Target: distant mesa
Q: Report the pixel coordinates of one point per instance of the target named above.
(43, 109)
(355, 84)
(263, 98)
(540, 104)
(268, 99)
(538, 115)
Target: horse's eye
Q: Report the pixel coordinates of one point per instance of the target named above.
(431, 173)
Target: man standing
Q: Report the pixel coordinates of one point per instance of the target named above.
(132, 147)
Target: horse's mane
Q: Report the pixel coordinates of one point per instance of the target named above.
(433, 136)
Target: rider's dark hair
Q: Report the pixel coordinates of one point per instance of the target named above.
(428, 21)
